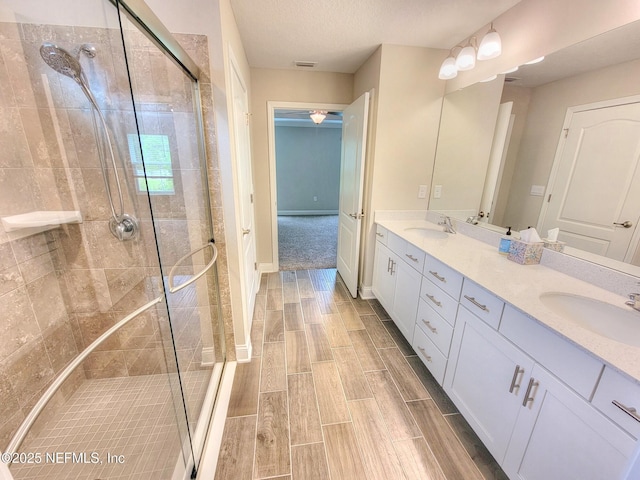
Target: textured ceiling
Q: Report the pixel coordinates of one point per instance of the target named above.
(341, 34)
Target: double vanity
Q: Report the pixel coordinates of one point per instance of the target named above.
(544, 366)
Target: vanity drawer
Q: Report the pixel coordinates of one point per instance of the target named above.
(440, 301)
(443, 276)
(573, 366)
(414, 256)
(482, 303)
(381, 234)
(434, 327)
(619, 398)
(433, 358)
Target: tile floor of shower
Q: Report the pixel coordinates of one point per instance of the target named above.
(130, 416)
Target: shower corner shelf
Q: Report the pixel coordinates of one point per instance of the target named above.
(31, 223)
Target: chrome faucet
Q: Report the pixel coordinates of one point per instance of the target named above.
(448, 225)
(473, 219)
(634, 301)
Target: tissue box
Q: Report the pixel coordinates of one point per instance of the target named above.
(525, 253)
(555, 246)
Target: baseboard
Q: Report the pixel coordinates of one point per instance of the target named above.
(308, 212)
(213, 443)
(366, 293)
(266, 268)
(243, 352)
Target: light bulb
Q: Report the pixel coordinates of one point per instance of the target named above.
(448, 70)
(466, 59)
(490, 46)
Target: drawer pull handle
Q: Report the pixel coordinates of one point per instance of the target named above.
(435, 274)
(429, 326)
(433, 299)
(476, 303)
(527, 396)
(424, 352)
(379, 234)
(632, 412)
(516, 372)
(411, 257)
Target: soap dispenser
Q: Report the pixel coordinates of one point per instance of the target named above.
(505, 243)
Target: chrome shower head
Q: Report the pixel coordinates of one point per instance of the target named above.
(61, 61)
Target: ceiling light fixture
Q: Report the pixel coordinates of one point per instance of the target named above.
(318, 116)
(490, 46)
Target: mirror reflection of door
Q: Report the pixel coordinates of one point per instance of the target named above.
(599, 151)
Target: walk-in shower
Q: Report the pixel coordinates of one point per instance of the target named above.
(123, 226)
(111, 351)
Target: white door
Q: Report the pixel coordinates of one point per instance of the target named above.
(596, 191)
(245, 186)
(354, 138)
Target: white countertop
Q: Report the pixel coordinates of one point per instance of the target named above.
(521, 286)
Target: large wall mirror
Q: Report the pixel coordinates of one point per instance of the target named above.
(553, 144)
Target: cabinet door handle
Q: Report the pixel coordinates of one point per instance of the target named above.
(631, 411)
(476, 303)
(527, 396)
(411, 257)
(429, 326)
(433, 299)
(435, 274)
(424, 352)
(516, 372)
(388, 264)
(393, 264)
(379, 234)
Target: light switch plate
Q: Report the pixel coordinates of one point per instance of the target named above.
(422, 191)
(437, 191)
(537, 190)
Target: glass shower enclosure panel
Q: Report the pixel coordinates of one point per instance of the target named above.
(167, 159)
(111, 343)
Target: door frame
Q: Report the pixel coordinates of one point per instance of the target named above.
(272, 106)
(571, 111)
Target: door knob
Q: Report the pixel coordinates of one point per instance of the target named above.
(626, 224)
(357, 216)
(246, 231)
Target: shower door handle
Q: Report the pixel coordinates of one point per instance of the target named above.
(174, 289)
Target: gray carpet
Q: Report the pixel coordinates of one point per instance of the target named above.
(307, 241)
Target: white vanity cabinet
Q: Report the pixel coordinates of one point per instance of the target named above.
(558, 434)
(396, 283)
(485, 379)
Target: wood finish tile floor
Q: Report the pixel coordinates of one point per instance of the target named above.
(335, 392)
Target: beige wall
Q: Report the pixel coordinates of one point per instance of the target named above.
(547, 110)
(406, 116)
(283, 86)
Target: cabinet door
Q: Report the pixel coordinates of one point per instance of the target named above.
(560, 435)
(484, 379)
(384, 276)
(406, 298)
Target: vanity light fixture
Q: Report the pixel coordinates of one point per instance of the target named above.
(466, 59)
(318, 116)
(535, 60)
(448, 69)
(490, 46)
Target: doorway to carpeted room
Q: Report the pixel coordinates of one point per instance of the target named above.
(307, 242)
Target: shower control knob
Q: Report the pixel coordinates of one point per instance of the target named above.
(125, 229)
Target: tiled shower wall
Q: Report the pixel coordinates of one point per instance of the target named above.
(60, 289)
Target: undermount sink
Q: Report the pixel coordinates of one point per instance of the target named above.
(616, 323)
(427, 232)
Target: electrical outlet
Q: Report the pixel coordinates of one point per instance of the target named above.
(437, 191)
(422, 191)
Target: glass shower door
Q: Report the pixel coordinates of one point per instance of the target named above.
(167, 160)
